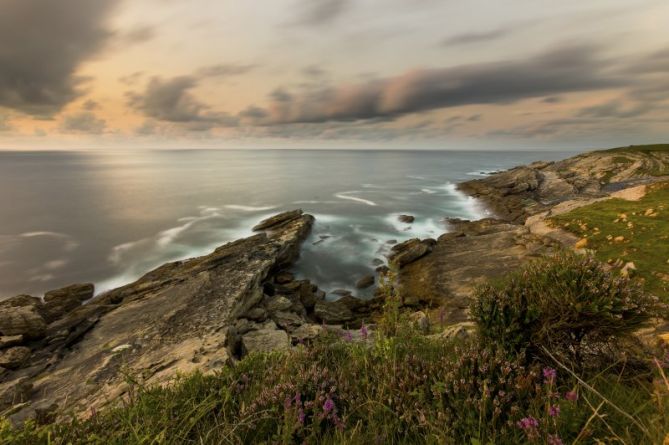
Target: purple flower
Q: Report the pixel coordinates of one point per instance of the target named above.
(348, 336)
(528, 423)
(554, 439)
(300, 415)
(328, 405)
(572, 396)
(363, 331)
(549, 375)
(554, 410)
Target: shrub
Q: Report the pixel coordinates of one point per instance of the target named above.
(567, 304)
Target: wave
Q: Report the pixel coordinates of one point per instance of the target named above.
(343, 195)
(249, 208)
(428, 191)
(69, 243)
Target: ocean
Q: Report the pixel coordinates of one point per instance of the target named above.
(109, 217)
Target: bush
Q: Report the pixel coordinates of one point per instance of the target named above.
(567, 304)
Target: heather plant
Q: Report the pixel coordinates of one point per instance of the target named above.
(567, 304)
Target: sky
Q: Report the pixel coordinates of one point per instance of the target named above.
(439, 74)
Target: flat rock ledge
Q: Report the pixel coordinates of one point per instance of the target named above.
(61, 354)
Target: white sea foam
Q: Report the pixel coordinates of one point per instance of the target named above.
(69, 243)
(344, 195)
(428, 191)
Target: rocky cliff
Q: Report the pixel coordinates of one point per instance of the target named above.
(60, 354)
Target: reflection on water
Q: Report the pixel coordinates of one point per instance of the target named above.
(109, 217)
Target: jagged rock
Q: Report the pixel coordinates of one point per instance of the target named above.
(277, 220)
(17, 391)
(14, 357)
(278, 303)
(21, 301)
(289, 321)
(377, 262)
(257, 314)
(61, 301)
(309, 295)
(409, 251)
(24, 320)
(332, 312)
(365, 282)
(408, 219)
(284, 277)
(476, 252)
(177, 312)
(265, 340)
(305, 333)
(11, 340)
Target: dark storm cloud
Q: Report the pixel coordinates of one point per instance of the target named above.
(476, 37)
(83, 122)
(42, 43)
(319, 12)
(562, 70)
(171, 100)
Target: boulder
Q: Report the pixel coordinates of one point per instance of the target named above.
(288, 321)
(22, 320)
(60, 302)
(14, 357)
(306, 332)
(309, 295)
(278, 303)
(256, 314)
(365, 282)
(278, 220)
(10, 340)
(265, 340)
(284, 278)
(21, 301)
(408, 219)
(333, 312)
(409, 251)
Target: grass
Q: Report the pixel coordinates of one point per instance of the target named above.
(646, 236)
(403, 387)
(650, 148)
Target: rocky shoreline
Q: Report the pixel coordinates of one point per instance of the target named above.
(73, 353)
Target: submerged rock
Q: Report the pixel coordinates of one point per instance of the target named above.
(408, 219)
(365, 282)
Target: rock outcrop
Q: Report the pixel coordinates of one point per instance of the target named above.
(199, 313)
(518, 193)
(471, 253)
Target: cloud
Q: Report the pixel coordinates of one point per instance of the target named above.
(561, 70)
(131, 79)
(171, 100)
(224, 70)
(42, 44)
(476, 37)
(321, 12)
(83, 122)
(4, 124)
(90, 105)
(615, 109)
(139, 34)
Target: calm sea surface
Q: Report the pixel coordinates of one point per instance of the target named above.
(109, 217)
